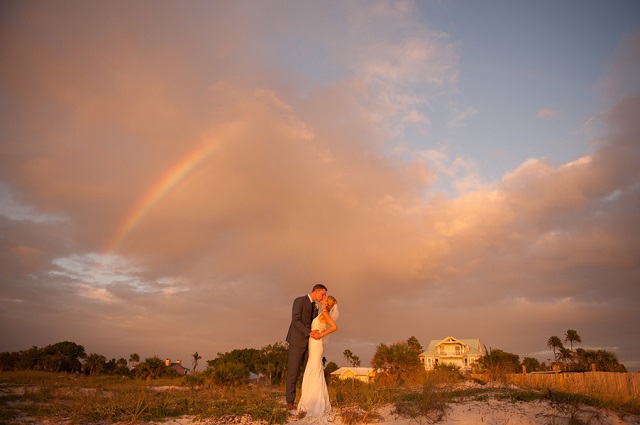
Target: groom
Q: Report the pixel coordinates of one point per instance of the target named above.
(303, 312)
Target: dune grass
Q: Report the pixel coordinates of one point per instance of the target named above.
(32, 397)
(81, 399)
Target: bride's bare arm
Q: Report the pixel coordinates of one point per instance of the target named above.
(329, 321)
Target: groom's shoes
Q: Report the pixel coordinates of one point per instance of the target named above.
(289, 406)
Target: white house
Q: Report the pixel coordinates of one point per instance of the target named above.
(364, 374)
(460, 352)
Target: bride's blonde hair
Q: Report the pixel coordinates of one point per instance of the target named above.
(331, 301)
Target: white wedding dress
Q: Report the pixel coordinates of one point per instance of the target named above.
(314, 397)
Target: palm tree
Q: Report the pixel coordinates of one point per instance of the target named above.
(554, 343)
(355, 361)
(572, 336)
(94, 363)
(196, 357)
(348, 355)
(133, 359)
(565, 355)
(151, 368)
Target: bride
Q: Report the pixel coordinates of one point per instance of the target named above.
(314, 399)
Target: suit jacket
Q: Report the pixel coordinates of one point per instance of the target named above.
(302, 314)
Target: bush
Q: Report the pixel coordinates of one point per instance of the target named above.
(151, 368)
(430, 403)
(447, 373)
(193, 380)
(497, 364)
(230, 374)
(358, 401)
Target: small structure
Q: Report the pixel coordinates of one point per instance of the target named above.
(177, 366)
(459, 352)
(364, 374)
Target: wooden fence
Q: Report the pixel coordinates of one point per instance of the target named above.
(618, 387)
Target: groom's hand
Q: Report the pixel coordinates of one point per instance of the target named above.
(315, 334)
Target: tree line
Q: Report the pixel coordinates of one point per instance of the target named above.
(565, 358)
(398, 360)
(270, 362)
(580, 359)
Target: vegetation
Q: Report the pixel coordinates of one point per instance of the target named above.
(399, 361)
(38, 383)
(580, 360)
(269, 362)
(604, 361)
(60, 357)
(134, 358)
(554, 343)
(330, 368)
(415, 345)
(78, 398)
(194, 362)
(152, 368)
(497, 364)
(532, 365)
(351, 358)
(94, 363)
(572, 336)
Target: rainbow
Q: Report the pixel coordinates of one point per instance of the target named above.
(168, 181)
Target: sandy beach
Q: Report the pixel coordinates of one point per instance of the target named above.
(489, 412)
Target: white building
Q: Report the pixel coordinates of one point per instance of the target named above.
(460, 352)
(364, 374)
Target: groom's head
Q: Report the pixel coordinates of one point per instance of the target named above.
(318, 292)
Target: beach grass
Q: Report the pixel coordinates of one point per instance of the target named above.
(82, 399)
(36, 397)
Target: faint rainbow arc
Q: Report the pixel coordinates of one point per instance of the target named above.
(158, 190)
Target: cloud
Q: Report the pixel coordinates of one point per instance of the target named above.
(620, 79)
(14, 210)
(401, 73)
(298, 187)
(458, 114)
(548, 114)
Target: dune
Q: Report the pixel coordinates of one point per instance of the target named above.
(487, 412)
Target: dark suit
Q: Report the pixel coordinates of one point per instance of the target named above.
(302, 314)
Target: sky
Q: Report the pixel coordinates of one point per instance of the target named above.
(174, 174)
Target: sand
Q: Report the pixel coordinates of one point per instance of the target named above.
(488, 412)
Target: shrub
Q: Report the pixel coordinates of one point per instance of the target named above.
(429, 403)
(151, 368)
(193, 380)
(230, 374)
(447, 373)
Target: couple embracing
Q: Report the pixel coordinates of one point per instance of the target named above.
(310, 325)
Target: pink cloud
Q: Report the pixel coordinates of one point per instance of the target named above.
(297, 190)
(548, 114)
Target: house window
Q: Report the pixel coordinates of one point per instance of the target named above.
(466, 362)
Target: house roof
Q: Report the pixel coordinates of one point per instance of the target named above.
(179, 368)
(356, 370)
(473, 344)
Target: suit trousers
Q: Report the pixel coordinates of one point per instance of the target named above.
(297, 357)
